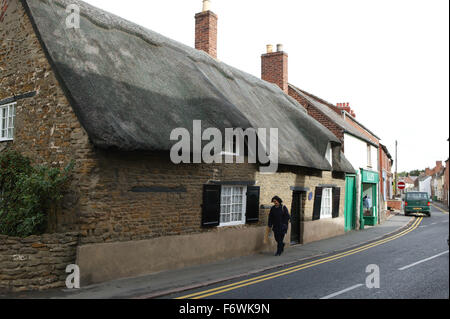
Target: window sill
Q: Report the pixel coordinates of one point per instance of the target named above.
(231, 224)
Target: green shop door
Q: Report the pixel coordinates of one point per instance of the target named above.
(350, 202)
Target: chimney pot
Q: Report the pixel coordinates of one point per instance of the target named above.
(206, 5)
(279, 48)
(269, 48)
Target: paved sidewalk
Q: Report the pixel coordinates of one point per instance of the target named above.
(163, 283)
(441, 206)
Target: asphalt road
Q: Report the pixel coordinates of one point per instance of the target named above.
(413, 264)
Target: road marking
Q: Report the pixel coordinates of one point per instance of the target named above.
(251, 281)
(342, 291)
(423, 260)
(444, 211)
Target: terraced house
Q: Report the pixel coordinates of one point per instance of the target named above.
(361, 146)
(108, 94)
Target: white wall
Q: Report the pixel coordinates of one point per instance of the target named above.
(356, 152)
(425, 186)
(374, 151)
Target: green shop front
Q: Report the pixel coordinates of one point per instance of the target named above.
(369, 198)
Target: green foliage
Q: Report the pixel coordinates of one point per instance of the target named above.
(28, 193)
(411, 173)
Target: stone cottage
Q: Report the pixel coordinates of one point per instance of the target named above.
(108, 94)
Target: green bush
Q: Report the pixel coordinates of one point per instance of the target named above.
(27, 194)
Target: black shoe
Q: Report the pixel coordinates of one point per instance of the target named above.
(277, 254)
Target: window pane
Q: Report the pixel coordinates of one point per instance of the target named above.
(232, 204)
(7, 119)
(326, 206)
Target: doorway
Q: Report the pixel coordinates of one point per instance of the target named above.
(369, 204)
(296, 217)
(350, 202)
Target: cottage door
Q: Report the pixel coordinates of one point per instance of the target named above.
(296, 217)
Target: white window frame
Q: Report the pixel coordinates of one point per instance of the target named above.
(8, 120)
(244, 205)
(326, 208)
(369, 156)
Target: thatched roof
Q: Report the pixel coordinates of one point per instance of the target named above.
(130, 87)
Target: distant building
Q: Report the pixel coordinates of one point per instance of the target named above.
(409, 181)
(423, 184)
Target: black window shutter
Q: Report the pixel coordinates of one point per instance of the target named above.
(317, 203)
(336, 201)
(211, 205)
(252, 212)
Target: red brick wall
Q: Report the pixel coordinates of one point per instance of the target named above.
(395, 204)
(385, 165)
(319, 116)
(274, 69)
(206, 32)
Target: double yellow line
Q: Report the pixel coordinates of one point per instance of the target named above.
(252, 281)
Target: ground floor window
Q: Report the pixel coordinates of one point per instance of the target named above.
(232, 205)
(7, 119)
(327, 203)
(228, 205)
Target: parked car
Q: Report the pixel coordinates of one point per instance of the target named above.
(417, 202)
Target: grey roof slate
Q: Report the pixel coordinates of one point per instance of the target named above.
(130, 87)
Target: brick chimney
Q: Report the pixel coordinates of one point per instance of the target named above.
(274, 67)
(438, 165)
(345, 107)
(206, 30)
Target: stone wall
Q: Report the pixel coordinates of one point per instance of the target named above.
(36, 262)
(137, 196)
(46, 127)
(280, 184)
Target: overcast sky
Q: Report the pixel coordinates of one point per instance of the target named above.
(388, 58)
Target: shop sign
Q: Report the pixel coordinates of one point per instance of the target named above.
(369, 177)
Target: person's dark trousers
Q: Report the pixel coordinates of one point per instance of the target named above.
(279, 237)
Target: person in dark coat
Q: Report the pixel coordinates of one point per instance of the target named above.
(279, 222)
